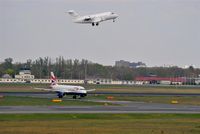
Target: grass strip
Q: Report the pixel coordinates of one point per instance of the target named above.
(35, 101)
(99, 116)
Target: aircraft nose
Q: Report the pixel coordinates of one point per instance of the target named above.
(116, 15)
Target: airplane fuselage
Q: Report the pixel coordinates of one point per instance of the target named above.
(94, 19)
(69, 90)
(99, 17)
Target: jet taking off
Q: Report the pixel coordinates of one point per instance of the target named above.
(62, 90)
(94, 19)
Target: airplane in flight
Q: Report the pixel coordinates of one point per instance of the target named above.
(93, 19)
(63, 90)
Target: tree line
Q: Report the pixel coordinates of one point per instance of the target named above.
(84, 69)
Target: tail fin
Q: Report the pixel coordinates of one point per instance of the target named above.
(73, 13)
(53, 79)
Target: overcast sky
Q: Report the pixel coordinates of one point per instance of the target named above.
(156, 32)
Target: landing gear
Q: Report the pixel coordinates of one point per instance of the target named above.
(93, 24)
(60, 95)
(83, 95)
(74, 97)
(113, 20)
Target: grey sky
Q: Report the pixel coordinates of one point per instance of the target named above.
(156, 32)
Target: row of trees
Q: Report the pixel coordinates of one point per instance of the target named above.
(84, 69)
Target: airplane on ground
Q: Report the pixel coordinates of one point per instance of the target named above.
(63, 90)
(94, 19)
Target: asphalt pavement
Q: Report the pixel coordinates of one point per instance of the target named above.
(122, 107)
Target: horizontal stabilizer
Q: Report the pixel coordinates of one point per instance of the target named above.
(73, 13)
(90, 90)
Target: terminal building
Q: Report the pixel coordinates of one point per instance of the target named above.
(25, 74)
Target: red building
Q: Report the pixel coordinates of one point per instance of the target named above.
(160, 80)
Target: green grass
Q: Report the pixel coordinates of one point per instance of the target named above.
(29, 87)
(32, 101)
(185, 100)
(100, 123)
(99, 116)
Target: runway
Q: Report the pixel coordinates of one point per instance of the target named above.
(52, 94)
(121, 107)
(126, 107)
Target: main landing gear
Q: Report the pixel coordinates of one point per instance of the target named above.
(93, 24)
(60, 96)
(80, 96)
(74, 97)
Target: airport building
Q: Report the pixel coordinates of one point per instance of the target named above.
(25, 74)
(109, 82)
(161, 80)
(197, 81)
(137, 81)
(43, 81)
(67, 81)
(11, 80)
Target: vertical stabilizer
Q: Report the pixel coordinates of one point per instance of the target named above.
(53, 79)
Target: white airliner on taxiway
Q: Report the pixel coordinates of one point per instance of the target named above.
(94, 19)
(62, 90)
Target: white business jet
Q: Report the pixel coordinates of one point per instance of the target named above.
(94, 19)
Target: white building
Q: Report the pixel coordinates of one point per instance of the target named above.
(25, 75)
(59, 81)
(197, 80)
(109, 82)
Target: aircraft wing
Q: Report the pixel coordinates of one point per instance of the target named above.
(92, 19)
(44, 89)
(96, 19)
(90, 90)
(49, 89)
(88, 18)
